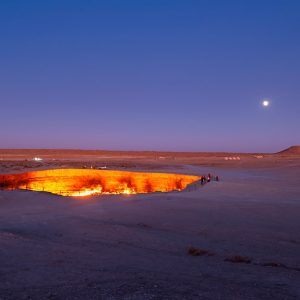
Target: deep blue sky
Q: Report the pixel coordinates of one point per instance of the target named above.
(150, 74)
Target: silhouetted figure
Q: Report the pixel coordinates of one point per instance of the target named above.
(217, 178)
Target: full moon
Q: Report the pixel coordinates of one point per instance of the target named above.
(265, 103)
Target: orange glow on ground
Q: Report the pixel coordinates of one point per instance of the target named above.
(80, 182)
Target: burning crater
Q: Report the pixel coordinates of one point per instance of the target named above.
(79, 182)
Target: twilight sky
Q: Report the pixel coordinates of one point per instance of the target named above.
(150, 74)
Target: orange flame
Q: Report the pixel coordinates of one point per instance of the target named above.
(79, 182)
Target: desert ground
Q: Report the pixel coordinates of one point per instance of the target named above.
(238, 238)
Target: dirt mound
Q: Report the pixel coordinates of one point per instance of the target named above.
(293, 150)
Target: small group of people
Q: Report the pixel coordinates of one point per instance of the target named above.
(208, 178)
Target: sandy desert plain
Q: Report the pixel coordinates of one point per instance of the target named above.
(238, 238)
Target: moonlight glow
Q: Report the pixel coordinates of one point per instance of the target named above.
(265, 103)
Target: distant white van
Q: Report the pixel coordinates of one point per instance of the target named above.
(37, 159)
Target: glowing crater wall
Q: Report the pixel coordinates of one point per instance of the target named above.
(80, 182)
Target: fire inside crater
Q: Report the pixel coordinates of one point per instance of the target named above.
(81, 182)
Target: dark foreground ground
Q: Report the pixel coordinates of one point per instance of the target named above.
(245, 228)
